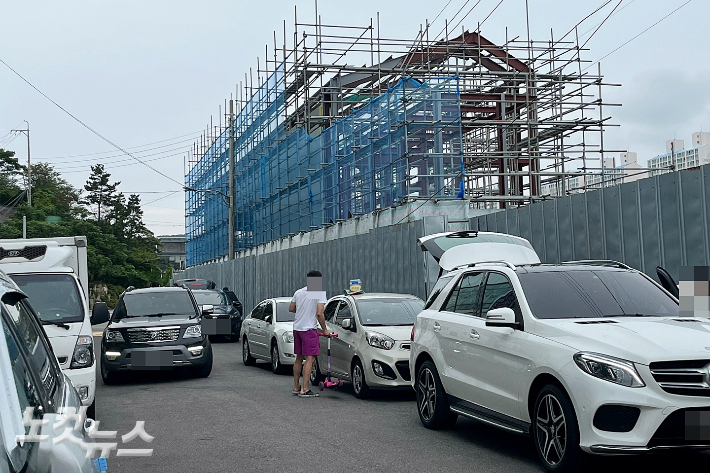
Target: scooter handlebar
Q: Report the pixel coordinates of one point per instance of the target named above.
(331, 335)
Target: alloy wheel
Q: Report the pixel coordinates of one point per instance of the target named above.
(357, 378)
(274, 358)
(426, 394)
(552, 429)
(245, 350)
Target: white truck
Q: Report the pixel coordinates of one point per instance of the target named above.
(54, 274)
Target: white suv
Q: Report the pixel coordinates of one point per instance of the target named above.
(584, 357)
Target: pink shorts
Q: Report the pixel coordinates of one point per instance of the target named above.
(306, 343)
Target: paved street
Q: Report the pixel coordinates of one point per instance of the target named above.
(245, 419)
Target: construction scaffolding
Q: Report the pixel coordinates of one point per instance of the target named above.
(318, 140)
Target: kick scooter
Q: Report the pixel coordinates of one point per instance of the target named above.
(329, 383)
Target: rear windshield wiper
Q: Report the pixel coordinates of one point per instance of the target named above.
(58, 324)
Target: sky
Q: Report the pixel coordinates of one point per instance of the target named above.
(148, 75)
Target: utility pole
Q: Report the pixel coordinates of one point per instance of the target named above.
(231, 179)
(26, 131)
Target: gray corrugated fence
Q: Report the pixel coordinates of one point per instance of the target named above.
(658, 221)
(386, 259)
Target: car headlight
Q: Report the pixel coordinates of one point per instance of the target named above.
(83, 352)
(193, 331)
(114, 336)
(287, 337)
(378, 340)
(609, 368)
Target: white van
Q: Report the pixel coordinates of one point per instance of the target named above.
(53, 272)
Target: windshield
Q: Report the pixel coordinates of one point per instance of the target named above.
(579, 294)
(210, 297)
(153, 303)
(438, 287)
(282, 313)
(389, 311)
(54, 297)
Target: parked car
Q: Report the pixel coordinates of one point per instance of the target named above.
(226, 316)
(195, 283)
(269, 338)
(583, 357)
(30, 377)
(372, 347)
(154, 329)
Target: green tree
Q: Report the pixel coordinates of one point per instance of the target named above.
(8, 162)
(10, 172)
(101, 194)
(121, 250)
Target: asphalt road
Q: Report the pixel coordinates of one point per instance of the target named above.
(245, 419)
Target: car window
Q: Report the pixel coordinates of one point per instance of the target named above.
(268, 312)
(25, 392)
(282, 313)
(438, 287)
(210, 297)
(41, 355)
(143, 304)
(469, 295)
(119, 311)
(373, 312)
(499, 293)
(231, 296)
(449, 304)
(258, 312)
(344, 312)
(54, 297)
(583, 294)
(330, 310)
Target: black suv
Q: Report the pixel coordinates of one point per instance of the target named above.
(221, 314)
(154, 329)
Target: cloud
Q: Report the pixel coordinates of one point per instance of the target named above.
(658, 106)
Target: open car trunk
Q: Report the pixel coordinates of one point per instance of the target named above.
(455, 249)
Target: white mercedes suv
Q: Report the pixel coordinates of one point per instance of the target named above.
(584, 357)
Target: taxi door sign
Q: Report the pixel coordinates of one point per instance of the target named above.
(355, 285)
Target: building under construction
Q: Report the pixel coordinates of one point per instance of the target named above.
(344, 122)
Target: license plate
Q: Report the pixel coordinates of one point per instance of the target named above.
(216, 326)
(152, 360)
(697, 426)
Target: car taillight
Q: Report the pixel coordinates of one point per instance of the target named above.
(412, 337)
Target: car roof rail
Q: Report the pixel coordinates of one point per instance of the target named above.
(598, 262)
(471, 265)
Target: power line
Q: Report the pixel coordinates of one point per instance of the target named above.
(88, 127)
(181, 150)
(627, 42)
(115, 155)
(114, 166)
(161, 198)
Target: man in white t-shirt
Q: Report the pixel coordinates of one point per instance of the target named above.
(309, 304)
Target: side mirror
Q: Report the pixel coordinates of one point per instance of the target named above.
(347, 324)
(207, 309)
(267, 319)
(501, 317)
(99, 314)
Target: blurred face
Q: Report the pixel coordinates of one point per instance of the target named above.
(694, 288)
(314, 283)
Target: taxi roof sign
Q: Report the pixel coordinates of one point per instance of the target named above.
(355, 287)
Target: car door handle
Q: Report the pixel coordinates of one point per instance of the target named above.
(474, 335)
(437, 327)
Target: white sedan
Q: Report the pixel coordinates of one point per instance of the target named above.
(267, 334)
